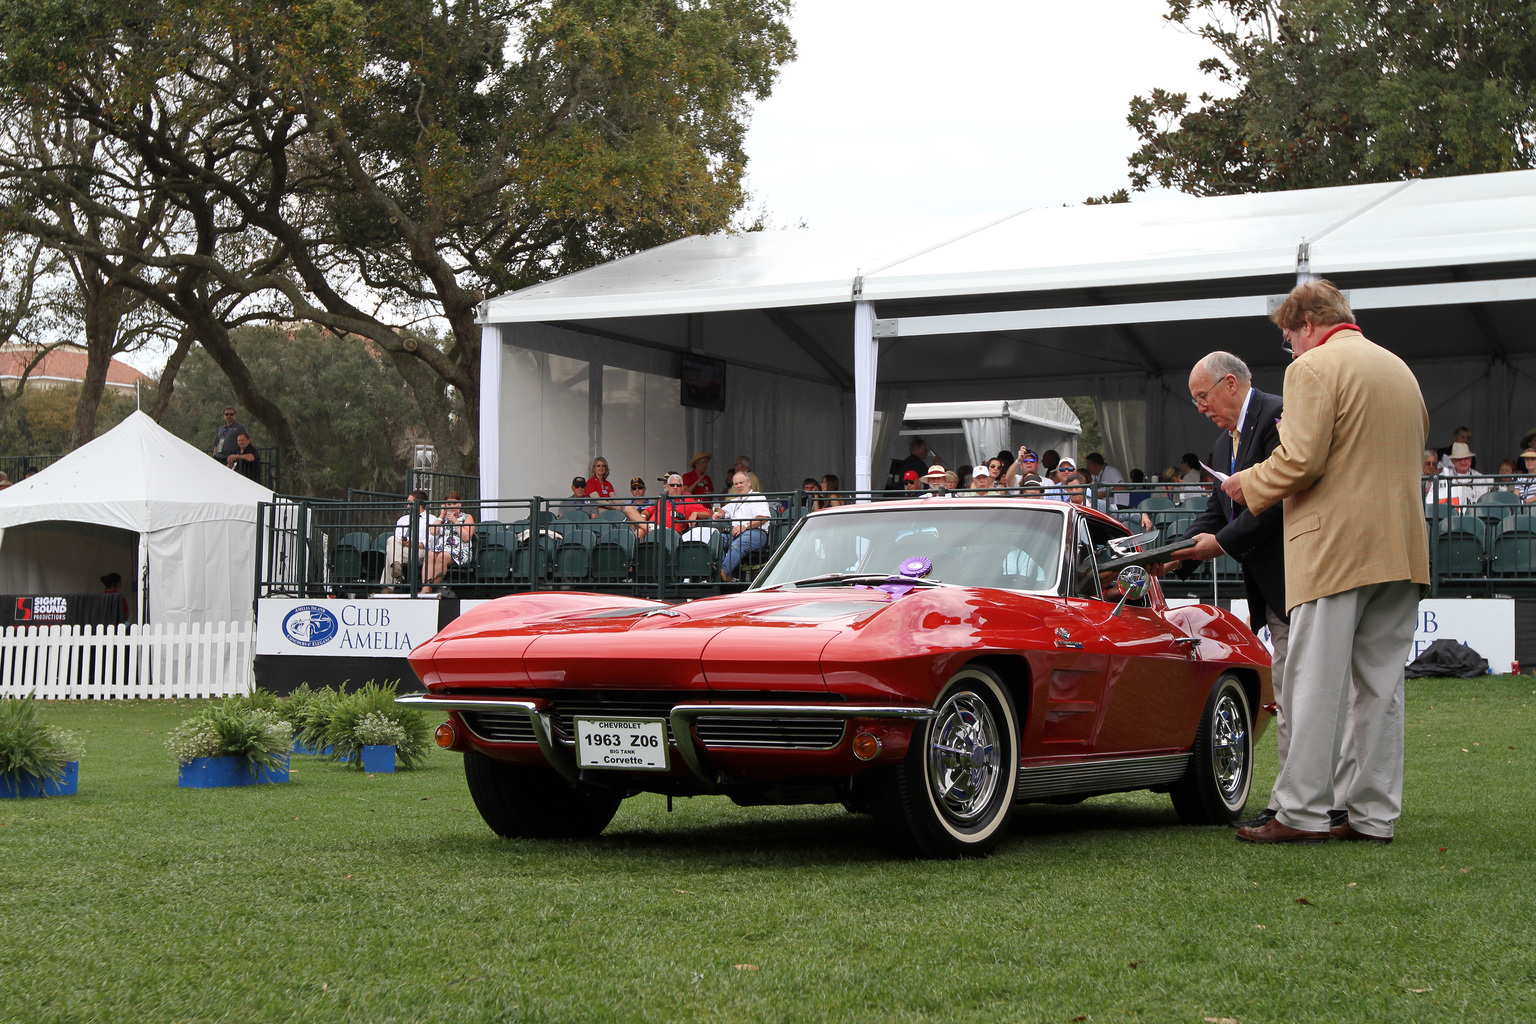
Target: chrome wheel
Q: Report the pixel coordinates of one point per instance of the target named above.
(1215, 788)
(1229, 747)
(963, 757)
(952, 795)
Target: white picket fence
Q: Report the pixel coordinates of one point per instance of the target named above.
(203, 659)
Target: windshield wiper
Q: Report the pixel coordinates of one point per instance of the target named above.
(851, 577)
(832, 577)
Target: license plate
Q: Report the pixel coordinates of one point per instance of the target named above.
(636, 744)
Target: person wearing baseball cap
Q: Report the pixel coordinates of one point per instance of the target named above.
(911, 481)
(981, 479)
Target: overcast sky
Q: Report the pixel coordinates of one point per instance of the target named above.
(940, 108)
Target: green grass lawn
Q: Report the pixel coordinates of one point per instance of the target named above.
(344, 897)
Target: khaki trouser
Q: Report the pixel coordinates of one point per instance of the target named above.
(1279, 639)
(1347, 653)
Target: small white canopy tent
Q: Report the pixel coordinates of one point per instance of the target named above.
(178, 526)
(991, 427)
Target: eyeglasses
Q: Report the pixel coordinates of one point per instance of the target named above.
(1200, 396)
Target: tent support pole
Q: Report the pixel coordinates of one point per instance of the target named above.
(866, 358)
(490, 413)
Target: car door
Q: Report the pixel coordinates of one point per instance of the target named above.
(1149, 663)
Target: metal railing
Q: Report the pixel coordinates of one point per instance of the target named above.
(314, 547)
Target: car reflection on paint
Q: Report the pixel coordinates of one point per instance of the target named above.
(932, 663)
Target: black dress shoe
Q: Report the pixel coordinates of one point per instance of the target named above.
(1337, 817)
(1258, 822)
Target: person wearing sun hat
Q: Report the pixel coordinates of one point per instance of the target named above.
(1527, 487)
(696, 480)
(934, 480)
(1461, 488)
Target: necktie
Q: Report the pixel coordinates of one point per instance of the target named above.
(1236, 437)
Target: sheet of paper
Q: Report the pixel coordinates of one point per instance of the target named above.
(1221, 478)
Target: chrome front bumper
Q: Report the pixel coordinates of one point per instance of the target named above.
(682, 717)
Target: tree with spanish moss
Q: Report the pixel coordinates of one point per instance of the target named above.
(1310, 93)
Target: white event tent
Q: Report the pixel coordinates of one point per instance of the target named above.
(178, 526)
(822, 335)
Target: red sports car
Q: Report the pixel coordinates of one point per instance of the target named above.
(932, 662)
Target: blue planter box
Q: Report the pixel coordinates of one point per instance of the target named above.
(300, 747)
(22, 785)
(378, 757)
(216, 772)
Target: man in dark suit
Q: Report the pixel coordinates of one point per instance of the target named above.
(1221, 387)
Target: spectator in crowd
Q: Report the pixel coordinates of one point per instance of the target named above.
(1189, 468)
(1507, 467)
(227, 438)
(1048, 461)
(911, 481)
(964, 472)
(397, 550)
(744, 465)
(597, 483)
(1528, 442)
(5, 481)
(1138, 496)
(917, 458)
(1055, 490)
(29, 472)
(748, 514)
(456, 535)
(1021, 468)
(995, 471)
(1004, 460)
(1107, 474)
(1075, 487)
(934, 479)
(696, 480)
(981, 479)
(1463, 437)
(1171, 475)
(243, 459)
(637, 489)
(675, 511)
(579, 489)
(1431, 472)
(1462, 488)
(809, 487)
(1528, 485)
(951, 480)
(830, 482)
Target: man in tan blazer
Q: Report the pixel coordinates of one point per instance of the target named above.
(1356, 553)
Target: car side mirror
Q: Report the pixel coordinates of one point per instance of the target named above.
(1133, 581)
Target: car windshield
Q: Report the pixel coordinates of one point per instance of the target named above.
(1008, 548)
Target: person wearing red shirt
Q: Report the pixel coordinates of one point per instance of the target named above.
(597, 480)
(697, 480)
(676, 510)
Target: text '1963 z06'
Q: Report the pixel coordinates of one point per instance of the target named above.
(934, 663)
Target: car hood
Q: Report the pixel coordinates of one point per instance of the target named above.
(755, 640)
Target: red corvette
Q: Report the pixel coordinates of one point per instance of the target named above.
(934, 663)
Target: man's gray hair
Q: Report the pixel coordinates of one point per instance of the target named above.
(1430, 453)
(1218, 364)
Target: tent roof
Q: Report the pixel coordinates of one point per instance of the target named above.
(137, 476)
(1044, 412)
(1474, 219)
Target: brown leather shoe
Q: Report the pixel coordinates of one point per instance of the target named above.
(1274, 831)
(1348, 834)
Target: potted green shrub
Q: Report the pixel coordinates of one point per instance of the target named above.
(379, 737)
(36, 759)
(359, 719)
(230, 743)
(310, 712)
